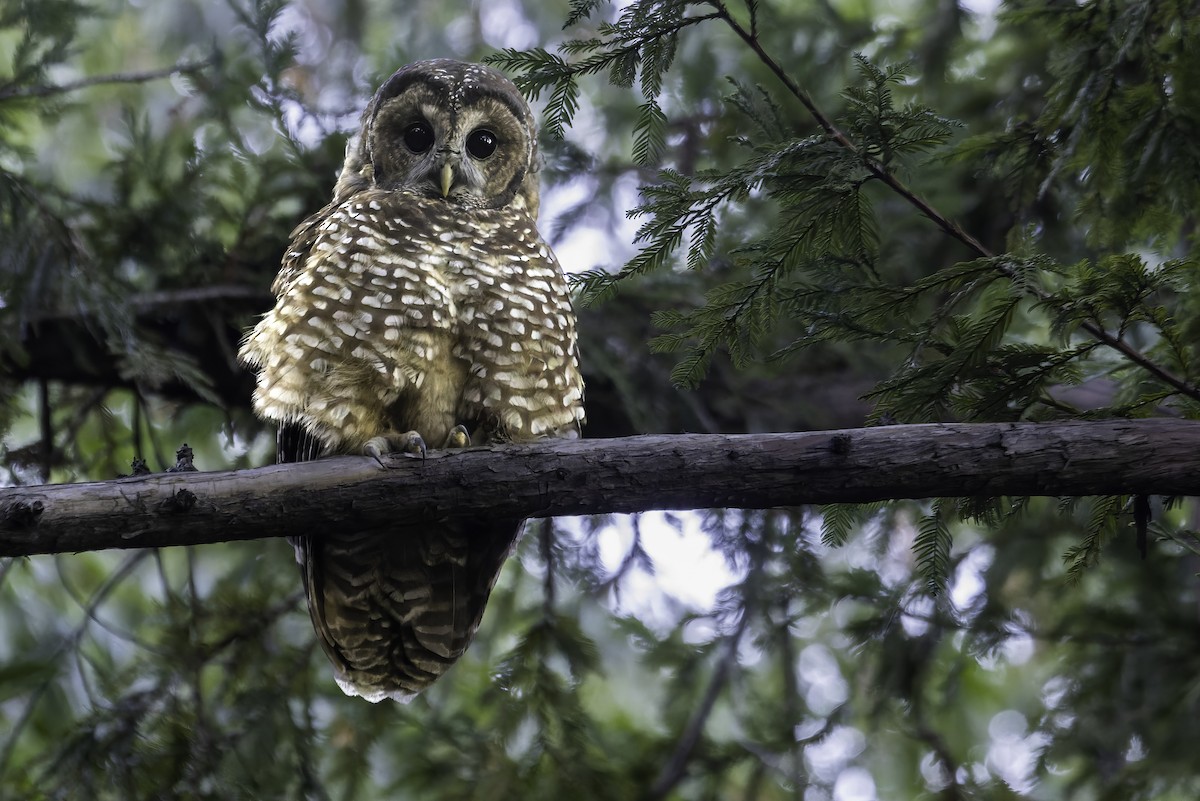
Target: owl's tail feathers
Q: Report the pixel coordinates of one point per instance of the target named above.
(395, 608)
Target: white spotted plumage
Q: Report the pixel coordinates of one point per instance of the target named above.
(413, 304)
(373, 302)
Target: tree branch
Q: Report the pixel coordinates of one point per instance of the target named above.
(570, 477)
(46, 90)
(675, 770)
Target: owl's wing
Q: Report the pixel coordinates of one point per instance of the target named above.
(295, 443)
(303, 237)
(394, 606)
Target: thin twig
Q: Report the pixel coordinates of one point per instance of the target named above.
(791, 696)
(114, 578)
(46, 90)
(156, 301)
(941, 752)
(546, 542)
(770, 761)
(6, 566)
(1054, 636)
(634, 556)
(253, 627)
(676, 768)
(135, 426)
(152, 432)
(92, 612)
(202, 738)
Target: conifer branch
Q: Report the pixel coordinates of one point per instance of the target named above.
(953, 229)
(1140, 359)
(878, 170)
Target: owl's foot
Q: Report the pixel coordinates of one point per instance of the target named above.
(410, 443)
(458, 437)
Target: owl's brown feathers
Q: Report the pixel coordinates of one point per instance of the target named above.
(420, 299)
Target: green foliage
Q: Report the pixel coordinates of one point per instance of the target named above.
(840, 520)
(1101, 526)
(880, 130)
(818, 261)
(824, 224)
(932, 548)
(640, 45)
(156, 729)
(1120, 123)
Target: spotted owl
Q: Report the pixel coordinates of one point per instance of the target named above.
(419, 308)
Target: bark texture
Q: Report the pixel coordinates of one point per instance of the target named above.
(552, 478)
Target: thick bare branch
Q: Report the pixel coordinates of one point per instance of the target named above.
(1149, 457)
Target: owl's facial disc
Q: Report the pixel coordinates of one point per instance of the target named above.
(469, 147)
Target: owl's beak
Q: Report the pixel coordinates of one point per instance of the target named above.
(447, 178)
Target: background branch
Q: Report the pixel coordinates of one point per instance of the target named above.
(46, 90)
(551, 478)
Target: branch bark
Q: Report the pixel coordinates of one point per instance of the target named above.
(550, 478)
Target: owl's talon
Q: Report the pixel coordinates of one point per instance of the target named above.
(458, 437)
(410, 443)
(374, 449)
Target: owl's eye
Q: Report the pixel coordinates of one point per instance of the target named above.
(418, 137)
(481, 143)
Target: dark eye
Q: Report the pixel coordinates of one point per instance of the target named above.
(418, 137)
(481, 143)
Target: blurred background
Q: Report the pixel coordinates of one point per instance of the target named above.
(154, 157)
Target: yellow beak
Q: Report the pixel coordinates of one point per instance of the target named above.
(447, 179)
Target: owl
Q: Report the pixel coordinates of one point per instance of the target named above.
(420, 308)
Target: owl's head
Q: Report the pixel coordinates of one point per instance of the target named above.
(447, 129)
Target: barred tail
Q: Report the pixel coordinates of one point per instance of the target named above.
(394, 608)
